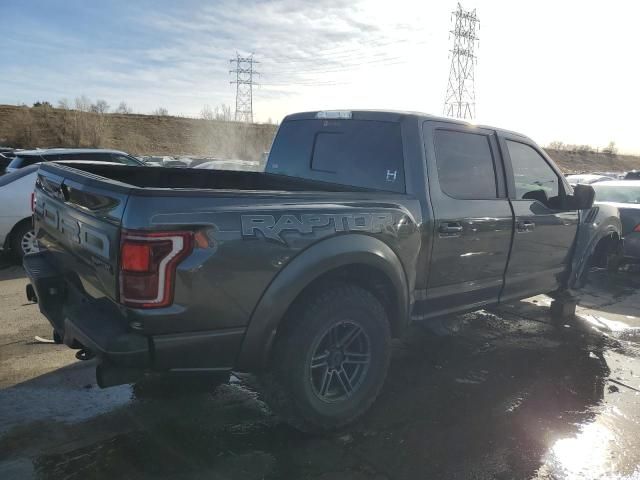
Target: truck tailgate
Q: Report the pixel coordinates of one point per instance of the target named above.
(77, 218)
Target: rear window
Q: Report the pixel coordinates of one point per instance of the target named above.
(21, 161)
(361, 153)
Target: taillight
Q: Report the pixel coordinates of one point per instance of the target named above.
(148, 262)
(637, 229)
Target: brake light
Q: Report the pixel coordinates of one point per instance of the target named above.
(148, 262)
(637, 229)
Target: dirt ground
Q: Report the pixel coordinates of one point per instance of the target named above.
(504, 395)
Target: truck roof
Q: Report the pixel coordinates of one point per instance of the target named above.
(394, 116)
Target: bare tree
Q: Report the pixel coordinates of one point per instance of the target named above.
(100, 107)
(556, 145)
(610, 149)
(123, 108)
(64, 104)
(223, 112)
(207, 113)
(160, 111)
(83, 104)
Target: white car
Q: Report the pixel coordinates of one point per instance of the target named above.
(16, 198)
(16, 207)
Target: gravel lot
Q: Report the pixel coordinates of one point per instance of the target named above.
(504, 395)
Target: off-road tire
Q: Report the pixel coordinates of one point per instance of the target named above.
(287, 386)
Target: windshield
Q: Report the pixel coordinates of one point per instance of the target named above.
(617, 193)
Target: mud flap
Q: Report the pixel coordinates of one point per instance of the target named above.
(563, 308)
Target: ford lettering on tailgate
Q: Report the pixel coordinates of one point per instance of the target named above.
(76, 231)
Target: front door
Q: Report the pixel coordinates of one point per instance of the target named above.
(472, 234)
(545, 230)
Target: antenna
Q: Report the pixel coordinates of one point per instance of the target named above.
(244, 87)
(460, 100)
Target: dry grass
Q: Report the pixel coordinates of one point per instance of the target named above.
(138, 134)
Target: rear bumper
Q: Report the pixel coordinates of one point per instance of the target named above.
(101, 326)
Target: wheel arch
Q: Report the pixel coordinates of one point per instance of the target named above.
(606, 228)
(361, 259)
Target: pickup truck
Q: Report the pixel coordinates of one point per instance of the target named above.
(363, 222)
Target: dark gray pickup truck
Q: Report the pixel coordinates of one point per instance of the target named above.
(363, 222)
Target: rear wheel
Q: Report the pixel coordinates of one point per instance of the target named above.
(330, 360)
(23, 240)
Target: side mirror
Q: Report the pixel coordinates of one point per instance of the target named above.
(582, 198)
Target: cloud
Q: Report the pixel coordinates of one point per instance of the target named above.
(154, 54)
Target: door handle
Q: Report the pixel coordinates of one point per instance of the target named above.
(525, 226)
(450, 227)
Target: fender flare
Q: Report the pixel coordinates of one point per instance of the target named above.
(605, 228)
(308, 266)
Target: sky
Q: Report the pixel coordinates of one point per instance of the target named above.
(563, 70)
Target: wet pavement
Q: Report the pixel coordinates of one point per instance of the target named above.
(505, 395)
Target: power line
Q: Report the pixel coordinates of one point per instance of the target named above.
(244, 87)
(460, 99)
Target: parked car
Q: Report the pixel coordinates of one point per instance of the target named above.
(4, 163)
(29, 157)
(16, 203)
(364, 222)
(632, 175)
(587, 179)
(625, 196)
(231, 164)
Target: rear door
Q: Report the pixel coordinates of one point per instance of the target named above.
(474, 221)
(77, 218)
(545, 230)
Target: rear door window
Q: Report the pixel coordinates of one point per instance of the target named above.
(466, 168)
(361, 153)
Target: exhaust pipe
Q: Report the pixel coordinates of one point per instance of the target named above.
(110, 376)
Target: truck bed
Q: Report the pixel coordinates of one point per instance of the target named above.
(184, 178)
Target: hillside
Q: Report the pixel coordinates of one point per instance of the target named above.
(577, 162)
(166, 135)
(137, 134)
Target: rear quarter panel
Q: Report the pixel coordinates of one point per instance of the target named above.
(254, 235)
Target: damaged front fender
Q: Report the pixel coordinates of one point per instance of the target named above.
(596, 224)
